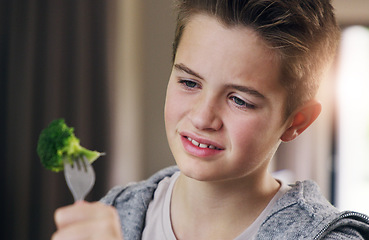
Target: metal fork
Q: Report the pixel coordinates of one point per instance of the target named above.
(80, 177)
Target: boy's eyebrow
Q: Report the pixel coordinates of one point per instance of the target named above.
(184, 68)
(247, 90)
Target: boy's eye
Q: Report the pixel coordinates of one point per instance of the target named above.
(188, 83)
(241, 103)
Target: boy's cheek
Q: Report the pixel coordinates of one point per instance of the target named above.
(170, 116)
(174, 107)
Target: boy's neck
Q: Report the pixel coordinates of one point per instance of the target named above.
(203, 208)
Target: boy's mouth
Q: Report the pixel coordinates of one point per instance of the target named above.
(202, 145)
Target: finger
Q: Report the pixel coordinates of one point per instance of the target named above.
(77, 231)
(85, 211)
(69, 214)
(90, 229)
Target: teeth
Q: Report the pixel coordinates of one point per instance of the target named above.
(195, 143)
(201, 145)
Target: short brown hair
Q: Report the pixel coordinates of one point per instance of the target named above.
(303, 33)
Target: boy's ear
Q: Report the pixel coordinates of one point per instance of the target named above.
(302, 119)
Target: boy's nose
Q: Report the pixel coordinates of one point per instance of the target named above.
(205, 115)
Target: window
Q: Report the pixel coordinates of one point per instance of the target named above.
(353, 121)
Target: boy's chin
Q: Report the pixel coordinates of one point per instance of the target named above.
(202, 173)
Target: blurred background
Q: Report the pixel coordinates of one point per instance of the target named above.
(103, 67)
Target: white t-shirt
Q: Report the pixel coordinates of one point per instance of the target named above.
(158, 223)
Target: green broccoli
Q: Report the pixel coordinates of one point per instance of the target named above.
(57, 143)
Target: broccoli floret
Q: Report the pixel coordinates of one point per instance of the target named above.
(57, 143)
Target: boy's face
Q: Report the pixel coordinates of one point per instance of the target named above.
(224, 106)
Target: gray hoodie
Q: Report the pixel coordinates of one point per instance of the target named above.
(302, 213)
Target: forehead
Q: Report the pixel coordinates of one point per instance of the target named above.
(230, 52)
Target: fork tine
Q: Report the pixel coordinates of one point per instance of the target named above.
(84, 164)
(80, 177)
(77, 163)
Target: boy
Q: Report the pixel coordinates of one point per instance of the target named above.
(244, 78)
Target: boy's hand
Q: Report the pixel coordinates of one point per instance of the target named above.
(84, 220)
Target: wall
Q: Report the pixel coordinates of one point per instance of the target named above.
(141, 33)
